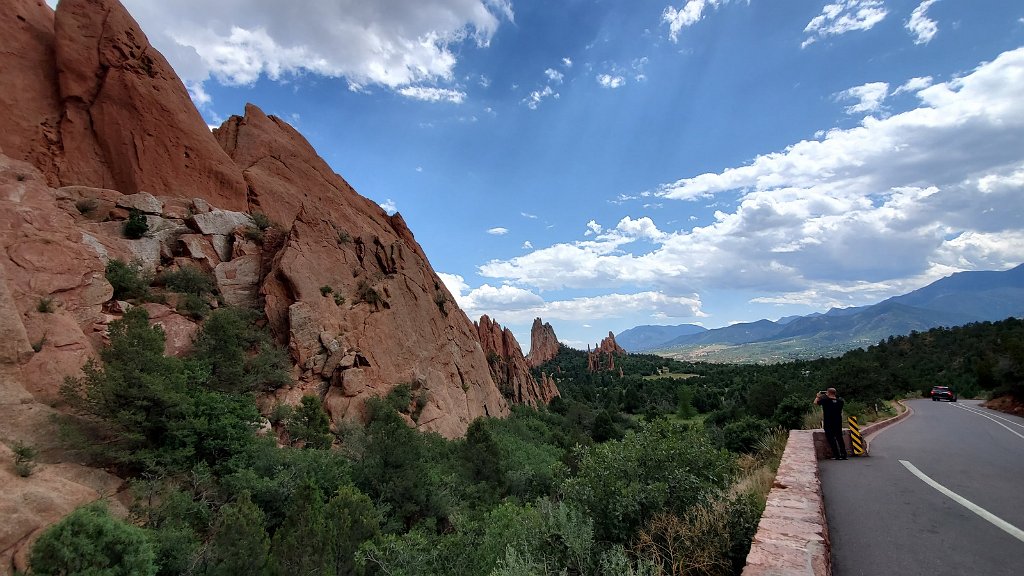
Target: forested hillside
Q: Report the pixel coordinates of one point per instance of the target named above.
(661, 464)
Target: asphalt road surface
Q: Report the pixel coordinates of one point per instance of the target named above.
(961, 513)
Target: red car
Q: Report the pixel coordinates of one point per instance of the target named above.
(943, 393)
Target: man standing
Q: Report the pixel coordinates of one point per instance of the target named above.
(832, 407)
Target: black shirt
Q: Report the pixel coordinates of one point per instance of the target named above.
(833, 411)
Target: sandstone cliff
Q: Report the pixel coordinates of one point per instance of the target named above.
(543, 343)
(95, 124)
(603, 356)
(509, 368)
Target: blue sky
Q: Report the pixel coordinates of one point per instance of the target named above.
(604, 164)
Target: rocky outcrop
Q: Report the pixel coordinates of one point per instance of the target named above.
(30, 97)
(350, 282)
(509, 368)
(543, 343)
(90, 102)
(108, 128)
(603, 356)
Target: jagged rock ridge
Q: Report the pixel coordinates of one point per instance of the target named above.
(509, 368)
(603, 355)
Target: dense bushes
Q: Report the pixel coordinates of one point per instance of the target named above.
(90, 541)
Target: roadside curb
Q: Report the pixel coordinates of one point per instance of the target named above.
(792, 536)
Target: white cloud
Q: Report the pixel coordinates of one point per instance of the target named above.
(455, 283)
(913, 85)
(537, 96)
(554, 75)
(429, 94)
(499, 231)
(405, 43)
(510, 304)
(844, 16)
(690, 13)
(567, 62)
(528, 215)
(609, 81)
(864, 213)
(922, 27)
(869, 97)
(527, 245)
(389, 206)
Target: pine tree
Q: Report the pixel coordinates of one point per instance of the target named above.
(299, 545)
(239, 544)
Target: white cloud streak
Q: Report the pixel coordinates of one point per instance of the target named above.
(499, 231)
(609, 81)
(687, 15)
(920, 26)
(429, 94)
(844, 16)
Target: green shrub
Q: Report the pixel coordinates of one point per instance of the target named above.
(743, 435)
(325, 290)
(129, 280)
(194, 306)
(261, 220)
(344, 237)
(188, 280)
(24, 459)
(86, 205)
(339, 300)
(45, 305)
(253, 233)
(136, 226)
(91, 542)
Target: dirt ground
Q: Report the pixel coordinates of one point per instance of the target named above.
(1006, 404)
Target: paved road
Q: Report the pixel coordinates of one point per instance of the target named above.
(884, 520)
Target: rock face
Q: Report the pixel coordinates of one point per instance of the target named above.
(543, 343)
(91, 103)
(509, 368)
(603, 356)
(351, 291)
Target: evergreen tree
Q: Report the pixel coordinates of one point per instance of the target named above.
(351, 520)
(239, 544)
(309, 424)
(91, 542)
(299, 546)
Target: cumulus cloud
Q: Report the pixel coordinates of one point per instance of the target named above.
(844, 16)
(868, 97)
(567, 62)
(920, 26)
(554, 75)
(395, 44)
(389, 206)
(499, 231)
(609, 81)
(860, 214)
(690, 13)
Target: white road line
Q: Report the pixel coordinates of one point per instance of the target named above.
(977, 410)
(983, 415)
(999, 522)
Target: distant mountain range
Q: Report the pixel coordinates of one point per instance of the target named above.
(952, 301)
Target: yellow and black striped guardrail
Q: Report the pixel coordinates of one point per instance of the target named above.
(855, 438)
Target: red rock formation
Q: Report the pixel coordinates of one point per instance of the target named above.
(543, 343)
(396, 315)
(128, 122)
(509, 368)
(29, 97)
(603, 356)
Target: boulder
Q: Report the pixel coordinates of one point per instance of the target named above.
(179, 331)
(143, 202)
(238, 281)
(221, 222)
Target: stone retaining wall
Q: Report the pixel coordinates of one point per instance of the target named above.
(792, 537)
